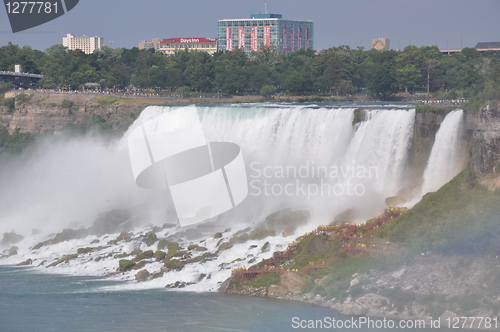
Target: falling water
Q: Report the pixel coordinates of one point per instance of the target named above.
(445, 160)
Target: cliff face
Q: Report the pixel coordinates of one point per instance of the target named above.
(481, 139)
(38, 118)
(44, 112)
(425, 129)
(482, 135)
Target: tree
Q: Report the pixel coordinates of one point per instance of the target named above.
(267, 91)
(380, 81)
(57, 51)
(408, 76)
(200, 70)
(429, 66)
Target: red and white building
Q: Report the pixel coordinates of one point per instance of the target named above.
(172, 45)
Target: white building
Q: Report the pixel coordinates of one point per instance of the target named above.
(87, 44)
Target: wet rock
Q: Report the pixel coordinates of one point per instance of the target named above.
(260, 234)
(29, 261)
(97, 259)
(217, 235)
(95, 241)
(266, 247)
(136, 252)
(292, 282)
(110, 222)
(150, 238)
(196, 247)
(139, 265)
(123, 255)
(192, 234)
(164, 243)
(224, 246)
(285, 219)
(156, 275)
(144, 255)
(225, 286)
(125, 265)
(142, 275)
(84, 250)
(174, 264)
(41, 244)
(70, 234)
(276, 291)
(165, 226)
(159, 255)
(179, 284)
(12, 251)
(238, 233)
(237, 239)
(62, 260)
(288, 231)
(11, 238)
(348, 216)
(125, 236)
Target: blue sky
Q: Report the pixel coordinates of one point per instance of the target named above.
(337, 22)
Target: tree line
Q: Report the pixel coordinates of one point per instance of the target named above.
(334, 71)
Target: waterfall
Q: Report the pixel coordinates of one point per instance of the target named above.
(343, 167)
(298, 157)
(445, 160)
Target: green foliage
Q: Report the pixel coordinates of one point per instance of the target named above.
(461, 217)
(125, 265)
(184, 91)
(84, 250)
(266, 280)
(107, 101)
(14, 143)
(337, 70)
(267, 91)
(67, 104)
(10, 103)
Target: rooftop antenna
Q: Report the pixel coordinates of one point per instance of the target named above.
(265, 7)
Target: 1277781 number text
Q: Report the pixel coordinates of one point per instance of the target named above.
(31, 7)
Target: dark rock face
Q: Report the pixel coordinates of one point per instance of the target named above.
(482, 133)
(69, 234)
(142, 275)
(11, 238)
(480, 138)
(110, 222)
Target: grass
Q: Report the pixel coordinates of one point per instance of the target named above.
(266, 280)
(105, 101)
(460, 218)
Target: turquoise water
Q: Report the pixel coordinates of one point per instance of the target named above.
(43, 302)
(31, 301)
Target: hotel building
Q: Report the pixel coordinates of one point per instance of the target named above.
(172, 45)
(265, 29)
(87, 44)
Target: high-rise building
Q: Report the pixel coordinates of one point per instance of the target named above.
(87, 44)
(266, 29)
